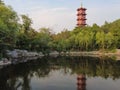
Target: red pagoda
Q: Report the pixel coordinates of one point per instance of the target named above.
(81, 16)
(81, 82)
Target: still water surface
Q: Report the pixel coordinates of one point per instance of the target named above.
(62, 73)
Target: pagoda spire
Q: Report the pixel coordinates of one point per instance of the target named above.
(81, 4)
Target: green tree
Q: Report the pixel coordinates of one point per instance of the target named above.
(26, 33)
(26, 26)
(84, 39)
(8, 27)
(110, 41)
(1, 2)
(43, 39)
(100, 39)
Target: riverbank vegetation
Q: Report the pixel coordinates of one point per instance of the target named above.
(16, 32)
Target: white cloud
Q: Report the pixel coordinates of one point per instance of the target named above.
(54, 18)
(101, 14)
(61, 17)
(61, 14)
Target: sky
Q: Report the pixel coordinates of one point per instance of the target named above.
(59, 15)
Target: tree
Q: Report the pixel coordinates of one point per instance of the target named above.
(26, 33)
(84, 39)
(110, 41)
(95, 28)
(1, 2)
(26, 23)
(72, 43)
(8, 27)
(42, 40)
(100, 39)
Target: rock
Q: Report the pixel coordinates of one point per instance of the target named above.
(4, 60)
(21, 53)
(14, 54)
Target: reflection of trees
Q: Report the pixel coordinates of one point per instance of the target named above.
(95, 67)
(90, 66)
(20, 75)
(26, 83)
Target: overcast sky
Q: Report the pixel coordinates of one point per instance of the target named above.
(61, 14)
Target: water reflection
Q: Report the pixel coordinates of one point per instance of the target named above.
(81, 82)
(19, 77)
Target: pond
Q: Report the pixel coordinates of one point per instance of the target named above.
(62, 73)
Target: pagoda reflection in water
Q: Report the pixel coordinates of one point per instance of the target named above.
(81, 82)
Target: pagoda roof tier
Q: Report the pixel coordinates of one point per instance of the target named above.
(81, 19)
(81, 24)
(81, 14)
(81, 9)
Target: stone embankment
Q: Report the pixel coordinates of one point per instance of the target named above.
(22, 53)
(96, 54)
(18, 56)
(99, 54)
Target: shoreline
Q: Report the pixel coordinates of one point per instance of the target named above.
(24, 53)
(91, 53)
(94, 54)
(33, 55)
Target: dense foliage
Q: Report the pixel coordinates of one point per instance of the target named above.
(8, 27)
(14, 34)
